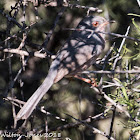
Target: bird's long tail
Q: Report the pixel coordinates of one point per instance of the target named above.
(32, 102)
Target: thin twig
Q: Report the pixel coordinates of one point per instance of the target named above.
(120, 48)
(15, 100)
(138, 1)
(105, 60)
(112, 34)
(13, 81)
(10, 19)
(25, 53)
(50, 114)
(95, 130)
(75, 124)
(21, 31)
(117, 105)
(112, 121)
(112, 71)
(93, 9)
(60, 13)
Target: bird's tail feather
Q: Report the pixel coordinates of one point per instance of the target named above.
(32, 102)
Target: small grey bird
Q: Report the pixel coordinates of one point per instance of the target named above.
(78, 53)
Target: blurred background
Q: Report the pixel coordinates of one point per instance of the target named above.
(69, 96)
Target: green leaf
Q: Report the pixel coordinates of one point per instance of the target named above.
(123, 89)
(138, 86)
(126, 49)
(136, 43)
(137, 57)
(133, 21)
(138, 136)
(118, 80)
(136, 128)
(131, 14)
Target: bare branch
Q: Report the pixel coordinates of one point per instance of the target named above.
(117, 105)
(25, 53)
(95, 130)
(122, 43)
(112, 34)
(133, 71)
(10, 19)
(21, 31)
(60, 13)
(93, 9)
(138, 2)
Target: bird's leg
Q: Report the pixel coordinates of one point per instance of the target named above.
(89, 80)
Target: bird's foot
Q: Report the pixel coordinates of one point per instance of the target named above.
(89, 80)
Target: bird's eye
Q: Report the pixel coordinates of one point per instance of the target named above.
(95, 24)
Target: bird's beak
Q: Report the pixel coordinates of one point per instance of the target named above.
(102, 26)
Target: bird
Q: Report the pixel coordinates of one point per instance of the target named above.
(77, 54)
